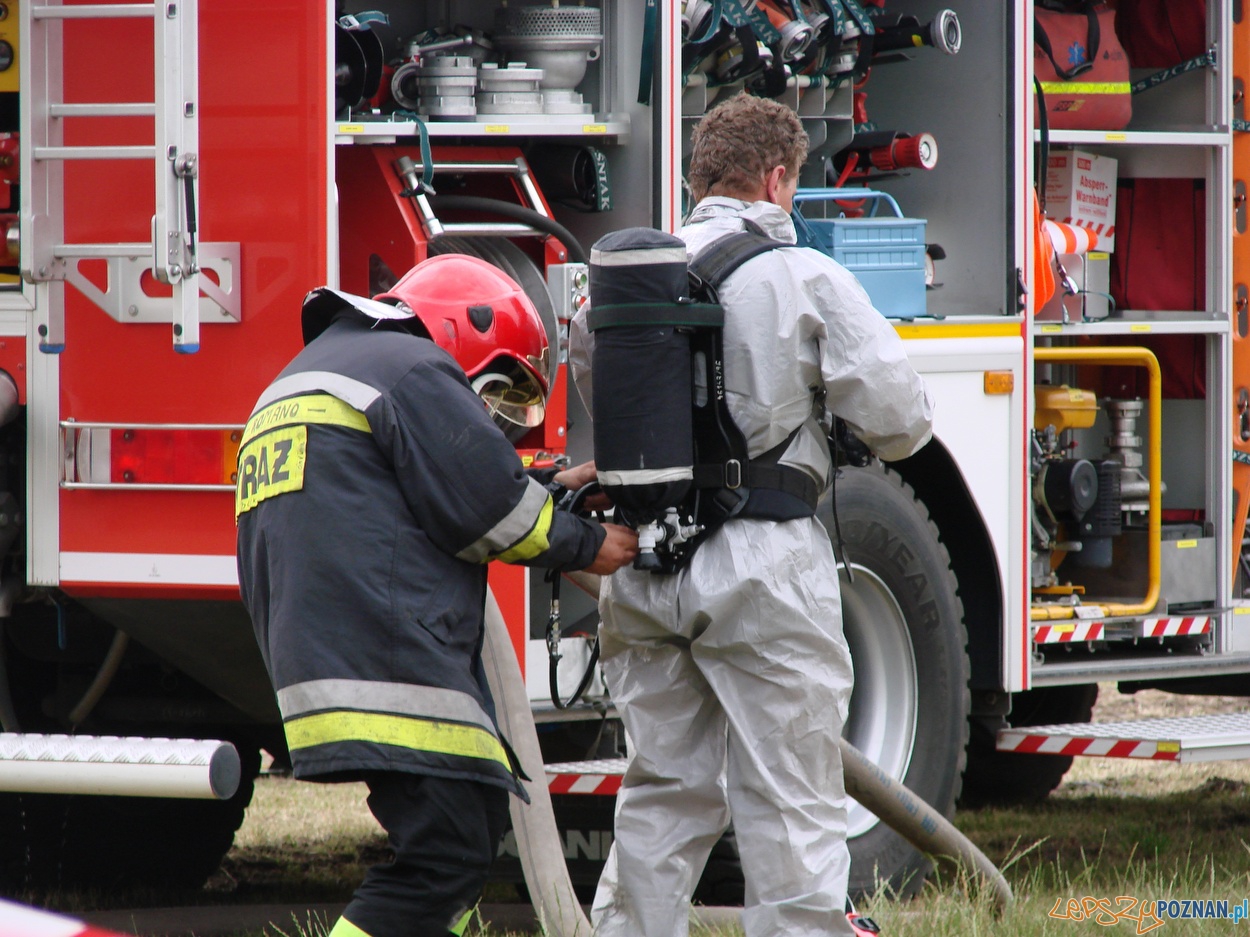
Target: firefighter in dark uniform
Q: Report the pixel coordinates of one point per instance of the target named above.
(374, 486)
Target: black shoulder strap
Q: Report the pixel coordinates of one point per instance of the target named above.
(722, 257)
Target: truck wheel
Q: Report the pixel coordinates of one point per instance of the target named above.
(904, 623)
(78, 841)
(995, 777)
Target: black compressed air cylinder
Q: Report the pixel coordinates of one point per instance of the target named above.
(642, 369)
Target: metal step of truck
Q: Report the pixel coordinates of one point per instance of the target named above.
(1183, 739)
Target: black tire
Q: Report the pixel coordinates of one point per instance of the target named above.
(904, 623)
(56, 841)
(52, 841)
(998, 778)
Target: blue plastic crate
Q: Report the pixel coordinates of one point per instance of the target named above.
(885, 253)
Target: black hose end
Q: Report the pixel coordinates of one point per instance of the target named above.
(647, 561)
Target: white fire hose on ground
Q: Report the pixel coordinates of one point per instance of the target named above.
(538, 840)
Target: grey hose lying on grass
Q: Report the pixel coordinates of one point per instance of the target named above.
(899, 808)
(915, 820)
(537, 839)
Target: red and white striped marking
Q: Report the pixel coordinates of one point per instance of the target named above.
(20, 921)
(1184, 739)
(1070, 238)
(1067, 631)
(1104, 232)
(586, 777)
(1167, 627)
(1026, 743)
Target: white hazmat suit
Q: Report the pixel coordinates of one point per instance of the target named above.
(732, 676)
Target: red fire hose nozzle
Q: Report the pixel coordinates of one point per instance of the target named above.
(917, 152)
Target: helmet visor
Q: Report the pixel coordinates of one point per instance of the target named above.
(513, 396)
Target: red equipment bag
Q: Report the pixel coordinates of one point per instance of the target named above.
(1161, 33)
(1081, 67)
(1160, 227)
(1158, 264)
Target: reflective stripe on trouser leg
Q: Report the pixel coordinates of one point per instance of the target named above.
(444, 834)
(459, 927)
(783, 673)
(345, 928)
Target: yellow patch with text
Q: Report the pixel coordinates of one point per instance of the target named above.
(270, 465)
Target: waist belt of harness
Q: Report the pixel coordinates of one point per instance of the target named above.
(763, 482)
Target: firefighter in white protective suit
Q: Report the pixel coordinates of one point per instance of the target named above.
(732, 675)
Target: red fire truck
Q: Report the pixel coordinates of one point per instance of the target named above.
(174, 177)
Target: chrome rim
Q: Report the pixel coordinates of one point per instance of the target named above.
(882, 720)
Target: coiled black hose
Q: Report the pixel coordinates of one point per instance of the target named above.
(517, 213)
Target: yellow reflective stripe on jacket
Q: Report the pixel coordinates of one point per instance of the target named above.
(535, 541)
(324, 409)
(528, 521)
(439, 704)
(444, 738)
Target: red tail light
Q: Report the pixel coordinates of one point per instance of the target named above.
(178, 457)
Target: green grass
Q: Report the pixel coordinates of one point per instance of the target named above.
(1091, 896)
(1115, 828)
(1143, 831)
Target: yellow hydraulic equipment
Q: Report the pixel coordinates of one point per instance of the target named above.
(1118, 355)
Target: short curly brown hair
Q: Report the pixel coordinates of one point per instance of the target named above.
(739, 140)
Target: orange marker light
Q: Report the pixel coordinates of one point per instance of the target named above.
(999, 382)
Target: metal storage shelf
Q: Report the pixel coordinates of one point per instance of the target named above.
(1106, 666)
(614, 127)
(1207, 136)
(1139, 323)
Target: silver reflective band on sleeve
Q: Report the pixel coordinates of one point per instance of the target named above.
(634, 258)
(349, 390)
(647, 476)
(376, 696)
(514, 527)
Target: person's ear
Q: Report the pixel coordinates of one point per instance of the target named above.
(773, 181)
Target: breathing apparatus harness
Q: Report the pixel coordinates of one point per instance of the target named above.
(727, 482)
(667, 449)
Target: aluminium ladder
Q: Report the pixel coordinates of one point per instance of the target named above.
(172, 253)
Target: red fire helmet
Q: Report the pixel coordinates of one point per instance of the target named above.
(484, 319)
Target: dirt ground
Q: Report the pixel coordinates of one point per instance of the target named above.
(1114, 706)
